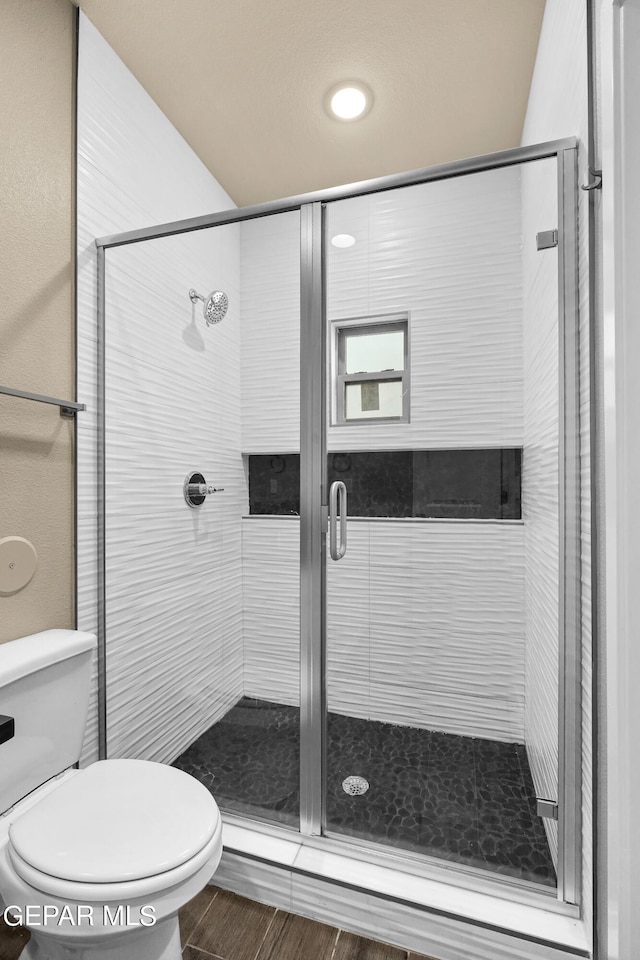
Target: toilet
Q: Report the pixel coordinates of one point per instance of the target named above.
(95, 862)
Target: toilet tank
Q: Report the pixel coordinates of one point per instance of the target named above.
(44, 685)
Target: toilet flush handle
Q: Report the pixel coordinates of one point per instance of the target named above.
(7, 728)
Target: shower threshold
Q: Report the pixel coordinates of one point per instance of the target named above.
(460, 799)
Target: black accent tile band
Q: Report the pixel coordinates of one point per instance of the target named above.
(441, 484)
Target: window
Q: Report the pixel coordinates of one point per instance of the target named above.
(371, 369)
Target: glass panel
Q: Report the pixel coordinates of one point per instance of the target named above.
(373, 398)
(374, 352)
(203, 603)
(442, 617)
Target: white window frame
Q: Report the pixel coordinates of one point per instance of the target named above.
(364, 326)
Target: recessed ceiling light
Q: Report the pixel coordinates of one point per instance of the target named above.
(349, 100)
(343, 240)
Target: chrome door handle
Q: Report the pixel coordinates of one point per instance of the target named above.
(337, 493)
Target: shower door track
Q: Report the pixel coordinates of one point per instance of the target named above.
(313, 487)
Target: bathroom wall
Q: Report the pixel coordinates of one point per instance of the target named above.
(173, 572)
(166, 379)
(558, 108)
(416, 612)
(425, 619)
(37, 44)
(448, 254)
(270, 364)
(270, 390)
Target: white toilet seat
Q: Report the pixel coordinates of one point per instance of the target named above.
(117, 830)
(80, 892)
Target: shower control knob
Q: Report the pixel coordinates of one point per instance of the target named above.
(196, 489)
(202, 489)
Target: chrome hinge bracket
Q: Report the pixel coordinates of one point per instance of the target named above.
(596, 183)
(546, 239)
(547, 808)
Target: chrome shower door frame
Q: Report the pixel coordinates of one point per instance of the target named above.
(314, 493)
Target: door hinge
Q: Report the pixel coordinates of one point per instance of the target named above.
(546, 239)
(547, 808)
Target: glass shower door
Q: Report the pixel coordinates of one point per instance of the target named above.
(442, 624)
(404, 692)
(202, 598)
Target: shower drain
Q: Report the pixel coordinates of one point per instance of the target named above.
(355, 786)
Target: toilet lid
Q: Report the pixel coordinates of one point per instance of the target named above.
(117, 820)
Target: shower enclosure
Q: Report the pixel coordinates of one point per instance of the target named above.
(369, 633)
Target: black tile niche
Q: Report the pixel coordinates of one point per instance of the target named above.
(439, 484)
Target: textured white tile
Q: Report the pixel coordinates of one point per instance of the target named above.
(258, 881)
(270, 303)
(415, 612)
(271, 608)
(174, 575)
(449, 253)
(329, 888)
(438, 936)
(444, 600)
(348, 621)
(244, 840)
(390, 882)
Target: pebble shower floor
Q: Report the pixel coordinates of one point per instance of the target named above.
(457, 798)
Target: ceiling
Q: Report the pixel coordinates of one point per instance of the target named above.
(244, 82)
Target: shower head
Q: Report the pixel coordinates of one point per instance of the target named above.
(215, 305)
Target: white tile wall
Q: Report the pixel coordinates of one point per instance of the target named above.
(270, 271)
(558, 108)
(134, 170)
(271, 608)
(174, 574)
(449, 253)
(425, 623)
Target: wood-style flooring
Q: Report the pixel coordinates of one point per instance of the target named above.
(218, 925)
